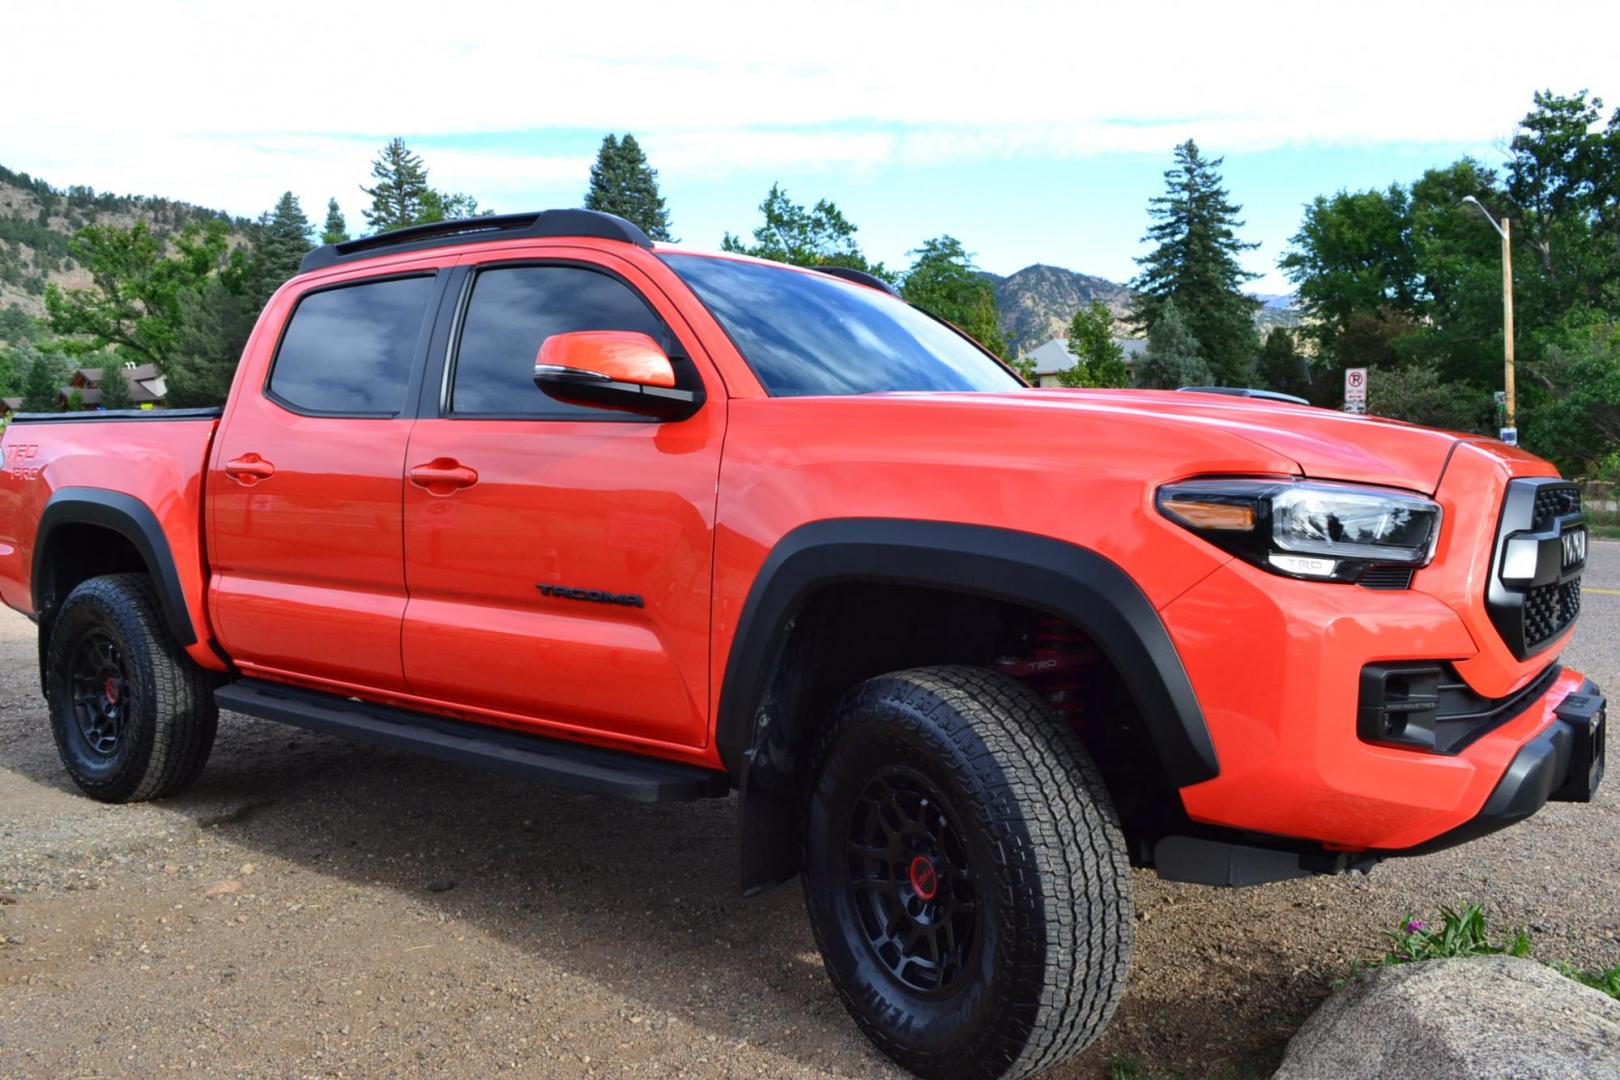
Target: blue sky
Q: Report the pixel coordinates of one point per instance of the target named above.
(1034, 132)
(1086, 214)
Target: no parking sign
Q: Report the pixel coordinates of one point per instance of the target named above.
(1355, 389)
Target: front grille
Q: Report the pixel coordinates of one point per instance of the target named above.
(1534, 596)
(1550, 608)
(1554, 502)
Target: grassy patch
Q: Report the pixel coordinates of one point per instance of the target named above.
(1458, 933)
(1463, 933)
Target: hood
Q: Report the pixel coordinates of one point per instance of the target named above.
(1327, 445)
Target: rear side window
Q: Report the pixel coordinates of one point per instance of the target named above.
(512, 311)
(348, 351)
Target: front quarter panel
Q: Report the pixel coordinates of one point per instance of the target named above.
(1025, 462)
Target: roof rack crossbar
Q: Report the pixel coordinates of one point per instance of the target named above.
(540, 224)
(860, 277)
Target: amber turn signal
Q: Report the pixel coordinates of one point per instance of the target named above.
(1210, 514)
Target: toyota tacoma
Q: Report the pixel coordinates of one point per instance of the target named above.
(534, 494)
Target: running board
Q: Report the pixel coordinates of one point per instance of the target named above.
(558, 763)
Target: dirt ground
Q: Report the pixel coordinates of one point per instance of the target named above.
(312, 908)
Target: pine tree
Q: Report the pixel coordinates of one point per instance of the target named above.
(1281, 366)
(39, 388)
(280, 242)
(1099, 360)
(1195, 260)
(1172, 358)
(336, 230)
(215, 320)
(114, 386)
(623, 183)
(397, 199)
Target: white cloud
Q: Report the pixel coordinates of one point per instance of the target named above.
(229, 103)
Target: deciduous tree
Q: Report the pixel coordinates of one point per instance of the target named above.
(134, 298)
(1099, 359)
(944, 281)
(819, 236)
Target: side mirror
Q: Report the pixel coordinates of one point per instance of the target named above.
(613, 369)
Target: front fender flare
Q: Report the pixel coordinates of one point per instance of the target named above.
(1070, 582)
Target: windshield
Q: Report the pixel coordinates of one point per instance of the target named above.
(806, 333)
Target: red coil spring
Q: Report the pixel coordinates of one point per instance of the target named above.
(1056, 667)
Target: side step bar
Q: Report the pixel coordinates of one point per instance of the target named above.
(558, 763)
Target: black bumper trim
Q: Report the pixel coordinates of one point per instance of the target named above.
(1562, 764)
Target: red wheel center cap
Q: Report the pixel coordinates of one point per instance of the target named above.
(111, 690)
(924, 877)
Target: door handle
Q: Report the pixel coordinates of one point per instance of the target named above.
(249, 469)
(443, 476)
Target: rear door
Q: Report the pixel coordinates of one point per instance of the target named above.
(304, 492)
(559, 557)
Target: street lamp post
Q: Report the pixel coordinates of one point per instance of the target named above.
(1510, 431)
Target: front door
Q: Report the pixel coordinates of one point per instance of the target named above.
(558, 558)
(304, 493)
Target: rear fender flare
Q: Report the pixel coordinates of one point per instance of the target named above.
(131, 519)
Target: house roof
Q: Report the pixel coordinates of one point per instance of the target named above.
(11, 404)
(146, 386)
(1054, 356)
(92, 375)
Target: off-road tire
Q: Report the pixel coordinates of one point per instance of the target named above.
(1045, 857)
(168, 716)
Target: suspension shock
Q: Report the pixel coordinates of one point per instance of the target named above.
(1056, 667)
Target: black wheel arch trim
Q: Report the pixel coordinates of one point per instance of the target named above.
(1065, 580)
(134, 521)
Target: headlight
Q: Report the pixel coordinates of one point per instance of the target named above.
(1304, 529)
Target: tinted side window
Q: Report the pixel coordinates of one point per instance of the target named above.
(514, 309)
(349, 350)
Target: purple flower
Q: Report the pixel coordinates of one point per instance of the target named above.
(1415, 925)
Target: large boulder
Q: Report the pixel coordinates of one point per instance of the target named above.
(1487, 1016)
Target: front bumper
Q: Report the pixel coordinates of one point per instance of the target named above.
(1278, 665)
(1564, 763)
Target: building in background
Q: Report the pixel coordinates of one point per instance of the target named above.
(1054, 356)
(146, 388)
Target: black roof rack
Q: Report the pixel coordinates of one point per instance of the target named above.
(544, 223)
(860, 277)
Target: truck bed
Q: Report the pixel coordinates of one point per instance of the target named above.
(138, 472)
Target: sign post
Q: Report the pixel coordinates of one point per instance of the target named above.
(1355, 390)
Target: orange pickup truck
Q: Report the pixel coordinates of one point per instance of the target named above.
(532, 493)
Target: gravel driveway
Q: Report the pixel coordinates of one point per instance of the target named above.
(311, 908)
